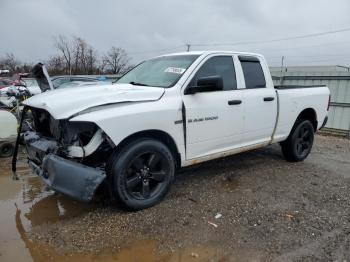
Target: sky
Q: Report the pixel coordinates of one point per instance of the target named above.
(150, 28)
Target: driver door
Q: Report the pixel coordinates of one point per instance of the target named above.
(214, 118)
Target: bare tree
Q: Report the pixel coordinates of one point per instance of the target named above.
(79, 57)
(84, 56)
(92, 60)
(56, 65)
(11, 63)
(64, 46)
(116, 60)
(75, 56)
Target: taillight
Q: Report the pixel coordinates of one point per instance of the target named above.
(329, 102)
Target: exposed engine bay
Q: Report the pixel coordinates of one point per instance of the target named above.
(69, 156)
(77, 141)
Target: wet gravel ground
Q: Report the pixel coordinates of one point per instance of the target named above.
(271, 210)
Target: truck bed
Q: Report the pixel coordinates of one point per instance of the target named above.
(314, 98)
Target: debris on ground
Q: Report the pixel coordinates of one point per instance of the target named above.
(218, 215)
(195, 255)
(289, 216)
(213, 224)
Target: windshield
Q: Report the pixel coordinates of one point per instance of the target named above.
(159, 72)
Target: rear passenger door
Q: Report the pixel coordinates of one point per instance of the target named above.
(260, 102)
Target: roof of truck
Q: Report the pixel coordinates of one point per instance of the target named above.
(212, 52)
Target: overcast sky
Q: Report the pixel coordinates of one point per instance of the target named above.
(149, 28)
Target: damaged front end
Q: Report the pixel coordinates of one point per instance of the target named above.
(69, 156)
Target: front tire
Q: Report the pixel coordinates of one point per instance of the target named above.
(299, 143)
(141, 173)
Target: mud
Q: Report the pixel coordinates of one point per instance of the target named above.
(271, 210)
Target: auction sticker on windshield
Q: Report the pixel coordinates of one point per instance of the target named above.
(175, 70)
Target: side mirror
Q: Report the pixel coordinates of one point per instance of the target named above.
(206, 84)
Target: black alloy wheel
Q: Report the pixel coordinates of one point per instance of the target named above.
(299, 143)
(146, 175)
(141, 173)
(304, 140)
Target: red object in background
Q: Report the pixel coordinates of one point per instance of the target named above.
(5, 83)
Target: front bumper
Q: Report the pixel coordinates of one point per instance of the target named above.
(65, 176)
(69, 177)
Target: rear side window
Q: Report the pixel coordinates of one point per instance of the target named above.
(253, 73)
(218, 66)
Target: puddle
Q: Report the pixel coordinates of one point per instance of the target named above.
(199, 254)
(27, 203)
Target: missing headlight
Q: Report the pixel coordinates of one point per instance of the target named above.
(77, 132)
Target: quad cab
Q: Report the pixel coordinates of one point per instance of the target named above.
(168, 112)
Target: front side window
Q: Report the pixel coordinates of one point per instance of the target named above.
(163, 71)
(253, 73)
(218, 66)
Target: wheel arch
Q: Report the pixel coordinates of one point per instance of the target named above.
(308, 114)
(159, 135)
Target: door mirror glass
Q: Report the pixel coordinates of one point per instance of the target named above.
(206, 84)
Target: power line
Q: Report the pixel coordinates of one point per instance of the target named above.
(277, 39)
(307, 46)
(187, 46)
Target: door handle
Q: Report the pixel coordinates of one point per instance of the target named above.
(268, 99)
(234, 102)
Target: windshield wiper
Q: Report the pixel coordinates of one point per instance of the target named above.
(137, 84)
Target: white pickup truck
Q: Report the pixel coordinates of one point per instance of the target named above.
(171, 111)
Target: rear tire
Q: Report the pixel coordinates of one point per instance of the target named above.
(299, 143)
(141, 173)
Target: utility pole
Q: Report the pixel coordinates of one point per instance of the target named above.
(188, 47)
(281, 75)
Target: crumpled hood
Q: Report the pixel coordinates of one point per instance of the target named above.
(65, 102)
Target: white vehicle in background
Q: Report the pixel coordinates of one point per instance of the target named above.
(8, 93)
(168, 112)
(4, 71)
(32, 85)
(8, 132)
